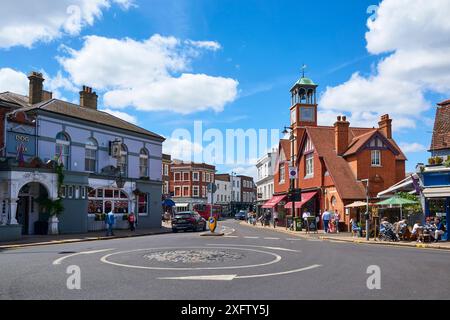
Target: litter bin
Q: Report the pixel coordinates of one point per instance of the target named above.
(298, 223)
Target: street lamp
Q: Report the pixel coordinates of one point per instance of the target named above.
(367, 208)
(293, 192)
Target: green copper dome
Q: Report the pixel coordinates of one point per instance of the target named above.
(305, 81)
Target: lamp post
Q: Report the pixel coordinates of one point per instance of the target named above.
(232, 192)
(367, 215)
(292, 190)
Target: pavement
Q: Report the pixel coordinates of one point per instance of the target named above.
(39, 240)
(247, 263)
(348, 237)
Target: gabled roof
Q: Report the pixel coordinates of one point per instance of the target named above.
(285, 146)
(75, 111)
(441, 133)
(358, 142)
(344, 179)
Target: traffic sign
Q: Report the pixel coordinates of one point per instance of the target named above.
(212, 188)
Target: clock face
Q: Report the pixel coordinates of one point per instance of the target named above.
(307, 114)
(293, 116)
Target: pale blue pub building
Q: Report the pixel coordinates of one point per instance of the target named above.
(109, 164)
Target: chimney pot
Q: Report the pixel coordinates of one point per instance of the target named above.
(339, 118)
(88, 99)
(344, 118)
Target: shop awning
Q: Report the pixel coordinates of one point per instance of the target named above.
(181, 205)
(305, 198)
(357, 204)
(442, 192)
(273, 202)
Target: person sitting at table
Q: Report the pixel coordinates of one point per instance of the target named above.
(439, 229)
(356, 228)
(429, 227)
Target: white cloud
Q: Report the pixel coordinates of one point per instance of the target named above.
(249, 170)
(26, 22)
(150, 75)
(13, 81)
(181, 149)
(414, 34)
(210, 45)
(122, 115)
(412, 147)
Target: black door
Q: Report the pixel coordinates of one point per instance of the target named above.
(22, 213)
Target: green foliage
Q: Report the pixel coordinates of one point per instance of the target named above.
(439, 160)
(411, 207)
(447, 162)
(431, 161)
(52, 207)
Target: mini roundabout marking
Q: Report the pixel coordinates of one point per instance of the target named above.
(218, 257)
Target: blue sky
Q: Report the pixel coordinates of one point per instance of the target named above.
(249, 56)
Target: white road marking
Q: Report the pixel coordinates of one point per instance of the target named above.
(264, 247)
(269, 238)
(291, 239)
(251, 237)
(279, 273)
(230, 277)
(58, 261)
(277, 259)
(226, 277)
(231, 237)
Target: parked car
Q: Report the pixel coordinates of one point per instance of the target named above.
(188, 220)
(241, 215)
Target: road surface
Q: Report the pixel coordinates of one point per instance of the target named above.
(246, 264)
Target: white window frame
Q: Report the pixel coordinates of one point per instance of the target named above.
(194, 174)
(188, 191)
(195, 191)
(166, 169)
(175, 192)
(309, 165)
(180, 174)
(70, 192)
(189, 175)
(374, 156)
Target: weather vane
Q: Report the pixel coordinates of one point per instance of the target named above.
(303, 70)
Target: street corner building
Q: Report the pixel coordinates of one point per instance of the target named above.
(334, 166)
(108, 164)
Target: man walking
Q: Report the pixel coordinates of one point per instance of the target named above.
(326, 216)
(110, 221)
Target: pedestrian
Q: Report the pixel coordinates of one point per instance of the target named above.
(110, 221)
(275, 218)
(336, 220)
(326, 216)
(132, 221)
(305, 217)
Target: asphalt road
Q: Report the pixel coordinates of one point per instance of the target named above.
(247, 264)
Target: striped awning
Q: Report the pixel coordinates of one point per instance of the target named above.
(273, 202)
(305, 198)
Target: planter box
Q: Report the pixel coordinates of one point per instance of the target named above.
(10, 232)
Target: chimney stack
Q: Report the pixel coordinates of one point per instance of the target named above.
(385, 125)
(88, 99)
(36, 87)
(341, 131)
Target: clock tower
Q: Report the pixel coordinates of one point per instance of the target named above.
(304, 103)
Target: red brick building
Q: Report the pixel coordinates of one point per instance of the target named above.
(333, 161)
(189, 181)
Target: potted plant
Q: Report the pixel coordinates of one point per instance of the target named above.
(431, 161)
(439, 160)
(53, 208)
